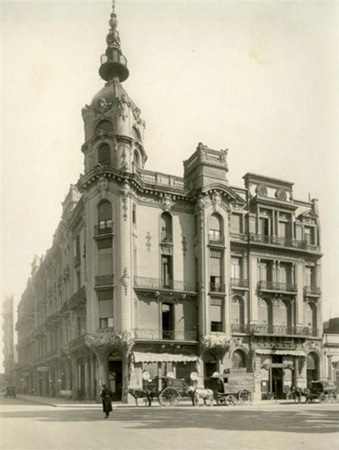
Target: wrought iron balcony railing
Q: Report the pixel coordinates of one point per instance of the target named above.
(169, 335)
(312, 290)
(158, 283)
(101, 230)
(283, 242)
(217, 287)
(216, 240)
(277, 286)
(239, 282)
(238, 328)
(104, 280)
(282, 330)
(166, 237)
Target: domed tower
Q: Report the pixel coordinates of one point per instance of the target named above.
(114, 130)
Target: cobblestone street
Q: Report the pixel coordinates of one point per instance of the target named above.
(27, 425)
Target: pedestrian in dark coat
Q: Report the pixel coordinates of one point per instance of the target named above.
(106, 400)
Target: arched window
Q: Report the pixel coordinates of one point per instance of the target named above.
(104, 155)
(238, 359)
(237, 315)
(166, 227)
(105, 217)
(264, 314)
(311, 317)
(136, 159)
(104, 125)
(312, 366)
(215, 231)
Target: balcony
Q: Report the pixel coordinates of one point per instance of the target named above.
(216, 240)
(242, 237)
(312, 291)
(165, 335)
(104, 281)
(166, 238)
(103, 230)
(238, 328)
(282, 330)
(239, 283)
(283, 242)
(217, 287)
(277, 286)
(159, 284)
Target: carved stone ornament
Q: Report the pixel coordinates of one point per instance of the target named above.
(166, 203)
(218, 340)
(102, 185)
(201, 203)
(216, 201)
(125, 192)
(261, 190)
(123, 105)
(125, 280)
(280, 194)
(184, 245)
(148, 241)
(123, 341)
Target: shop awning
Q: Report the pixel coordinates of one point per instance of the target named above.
(159, 357)
(286, 352)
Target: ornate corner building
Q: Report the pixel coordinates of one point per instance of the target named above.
(150, 271)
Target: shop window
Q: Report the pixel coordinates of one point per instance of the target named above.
(238, 359)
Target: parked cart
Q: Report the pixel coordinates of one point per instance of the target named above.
(322, 391)
(233, 387)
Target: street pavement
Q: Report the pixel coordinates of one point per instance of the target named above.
(72, 426)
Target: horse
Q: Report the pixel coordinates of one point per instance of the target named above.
(137, 393)
(195, 393)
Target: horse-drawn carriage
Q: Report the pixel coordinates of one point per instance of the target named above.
(234, 386)
(322, 391)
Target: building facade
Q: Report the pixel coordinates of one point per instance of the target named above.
(8, 338)
(331, 351)
(160, 273)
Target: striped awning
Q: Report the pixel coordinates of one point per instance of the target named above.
(162, 357)
(286, 352)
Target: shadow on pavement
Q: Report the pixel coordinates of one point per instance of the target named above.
(315, 421)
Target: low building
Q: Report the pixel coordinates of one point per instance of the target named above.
(154, 272)
(331, 351)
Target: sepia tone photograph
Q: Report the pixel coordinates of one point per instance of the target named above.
(169, 231)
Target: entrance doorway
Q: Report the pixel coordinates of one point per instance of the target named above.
(115, 379)
(277, 385)
(210, 365)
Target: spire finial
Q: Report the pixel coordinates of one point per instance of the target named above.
(113, 62)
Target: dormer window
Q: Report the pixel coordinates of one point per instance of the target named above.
(215, 232)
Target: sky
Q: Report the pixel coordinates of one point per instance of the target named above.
(257, 78)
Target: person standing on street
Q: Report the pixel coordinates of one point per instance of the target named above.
(106, 400)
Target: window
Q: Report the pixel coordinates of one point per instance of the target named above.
(136, 158)
(236, 223)
(104, 125)
(238, 359)
(215, 231)
(236, 268)
(266, 271)
(285, 273)
(309, 235)
(310, 276)
(105, 313)
(215, 272)
(238, 312)
(104, 217)
(264, 312)
(167, 321)
(284, 230)
(311, 316)
(216, 314)
(264, 226)
(166, 271)
(166, 227)
(104, 155)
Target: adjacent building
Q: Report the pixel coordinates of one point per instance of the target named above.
(8, 338)
(155, 272)
(331, 351)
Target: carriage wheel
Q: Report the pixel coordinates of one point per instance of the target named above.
(230, 400)
(169, 397)
(244, 397)
(221, 400)
(322, 398)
